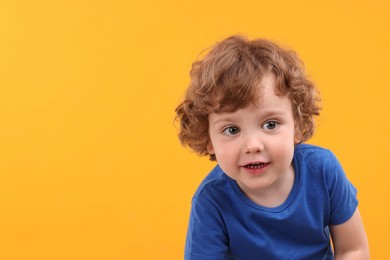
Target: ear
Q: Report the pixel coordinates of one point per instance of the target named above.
(297, 138)
(210, 149)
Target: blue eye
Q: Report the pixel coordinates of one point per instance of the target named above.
(231, 130)
(270, 125)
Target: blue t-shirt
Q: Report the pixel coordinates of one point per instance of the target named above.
(225, 224)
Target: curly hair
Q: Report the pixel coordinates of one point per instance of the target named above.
(228, 79)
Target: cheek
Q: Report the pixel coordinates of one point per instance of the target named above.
(283, 149)
(224, 150)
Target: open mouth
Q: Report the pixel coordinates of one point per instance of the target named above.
(256, 165)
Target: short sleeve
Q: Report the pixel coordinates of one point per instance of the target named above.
(343, 201)
(206, 236)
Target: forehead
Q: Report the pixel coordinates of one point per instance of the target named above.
(271, 99)
(231, 97)
(266, 104)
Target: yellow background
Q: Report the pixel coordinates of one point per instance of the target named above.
(90, 166)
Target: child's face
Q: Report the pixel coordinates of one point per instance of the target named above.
(255, 145)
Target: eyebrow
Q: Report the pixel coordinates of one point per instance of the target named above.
(274, 113)
(233, 118)
(222, 120)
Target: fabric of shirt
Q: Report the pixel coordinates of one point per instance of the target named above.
(225, 224)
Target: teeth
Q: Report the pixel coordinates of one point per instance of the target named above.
(256, 166)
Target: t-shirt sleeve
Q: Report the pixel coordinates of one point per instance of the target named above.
(343, 201)
(206, 235)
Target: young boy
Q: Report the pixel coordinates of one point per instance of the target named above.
(250, 107)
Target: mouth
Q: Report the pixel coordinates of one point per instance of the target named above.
(257, 165)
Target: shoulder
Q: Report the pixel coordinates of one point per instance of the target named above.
(319, 162)
(309, 149)
(215, 193)
(312, 154)
(323, 163)
(214, 182)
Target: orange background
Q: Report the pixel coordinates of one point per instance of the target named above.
(90, 166)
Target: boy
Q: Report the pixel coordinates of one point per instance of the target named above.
(250, 107)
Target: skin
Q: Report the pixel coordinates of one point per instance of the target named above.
(261, 134)
(350, 240)
(255, 147)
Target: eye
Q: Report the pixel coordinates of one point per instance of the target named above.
(270, 125)
(231, 130)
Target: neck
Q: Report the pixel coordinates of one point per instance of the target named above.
(276, 194)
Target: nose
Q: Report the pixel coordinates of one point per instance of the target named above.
(253, 143)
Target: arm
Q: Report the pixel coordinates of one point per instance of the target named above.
(349, 239)
(206, 235)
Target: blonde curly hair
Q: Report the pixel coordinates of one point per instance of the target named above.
(228, 79)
